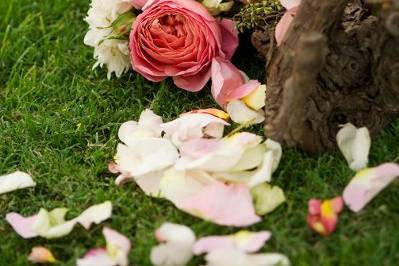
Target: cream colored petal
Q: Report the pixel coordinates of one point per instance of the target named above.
(354, 144)
(176, 245)
(14, 181)
(242, 114)
(150, 183)
(256, 99)
(267, 198)
(95, 214)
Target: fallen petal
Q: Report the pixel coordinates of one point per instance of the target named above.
(245, 241)
(95, 214)
(14, 181)
(229, 205)
(22, 225)
(176, 245)
(267, 198)
(367, 184)
(41, 255)
(354, 144)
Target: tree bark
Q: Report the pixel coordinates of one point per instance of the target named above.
(337, 64)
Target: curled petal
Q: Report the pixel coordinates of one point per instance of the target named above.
(191, 126)
(367, 184)
(242, 114)
(354, 144)
(14, 181)
(95, 214)
(323, 215)
(257, 98)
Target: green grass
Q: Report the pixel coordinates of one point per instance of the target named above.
(59, 119)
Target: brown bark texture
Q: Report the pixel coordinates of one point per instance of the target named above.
(337, 64)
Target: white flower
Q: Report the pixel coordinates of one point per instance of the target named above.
(176, 245)
(111, 52)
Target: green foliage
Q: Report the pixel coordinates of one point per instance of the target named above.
(59, 121)
(258, 13)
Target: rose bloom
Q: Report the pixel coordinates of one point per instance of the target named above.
(179, 39)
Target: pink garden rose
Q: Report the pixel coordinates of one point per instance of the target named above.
(179, 39)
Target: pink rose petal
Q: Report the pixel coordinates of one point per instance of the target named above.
(22, 225)
(229, 205)
(229, 37)
(225, 78)
(284, 24)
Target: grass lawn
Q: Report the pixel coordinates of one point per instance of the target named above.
(59, 119)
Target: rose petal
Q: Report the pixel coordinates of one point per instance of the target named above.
(96, 257)
(367, 184)
(257, 98)
(95, 214)
(267, 198)
(235, 257)
(177, 241)
(227, 154)
(225, 79)
(41, 255)
(14, 181)
(288, 4)
(245, 241)
(229, 37)
(242, 114)
(354, 144)
(229, 205)
(191, 126)
(284, 24)
(22, 225)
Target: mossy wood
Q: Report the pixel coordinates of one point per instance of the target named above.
(337, 64)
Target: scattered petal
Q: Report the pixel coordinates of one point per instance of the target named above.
(53, 225)
(267, 198)
(288, 4)
(14, 181)
(324, 220)
(367, 184)
(245, 241)
(116, 253)
(41, 255)
(354, 144)
(235, 257)
(175, 248)
(229, 205)
(95, 214)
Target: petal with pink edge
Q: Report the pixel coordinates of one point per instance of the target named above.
(41, 255)
(367, 184)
